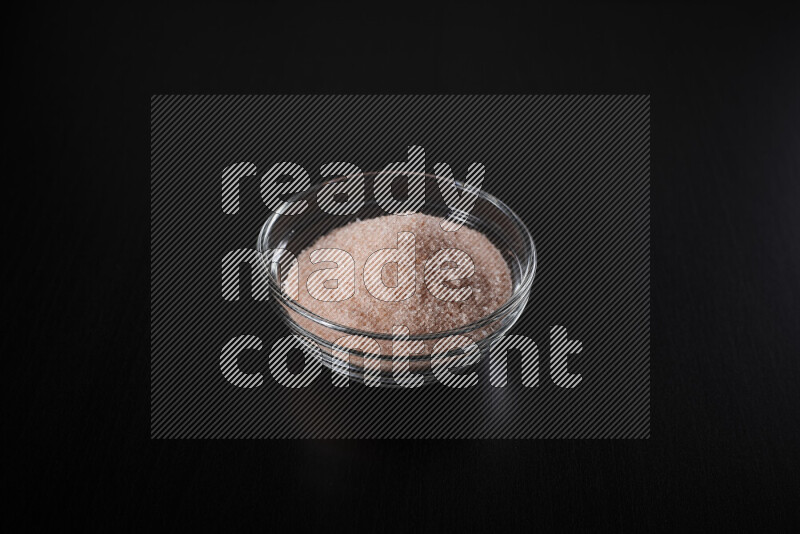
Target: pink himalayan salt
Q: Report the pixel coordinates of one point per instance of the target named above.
(422, 313)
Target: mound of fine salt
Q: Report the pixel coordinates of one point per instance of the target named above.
(422, 312)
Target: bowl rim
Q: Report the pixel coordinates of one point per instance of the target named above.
(520, 294)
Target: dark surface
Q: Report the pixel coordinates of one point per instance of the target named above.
(726, 259)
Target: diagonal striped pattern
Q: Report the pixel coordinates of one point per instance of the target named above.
(529, 354)
(453, 192)
(442, 365)
(575, 168)
(402, 260)
(413, 170)
(453, 266)
(402, 349)
(332, 284)
(350, 185)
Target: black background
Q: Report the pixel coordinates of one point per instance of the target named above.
(725, 429)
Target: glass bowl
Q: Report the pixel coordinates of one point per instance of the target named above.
(358, 359)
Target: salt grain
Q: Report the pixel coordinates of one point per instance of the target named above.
(422, 313)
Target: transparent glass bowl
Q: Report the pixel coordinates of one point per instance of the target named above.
(295, 233)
